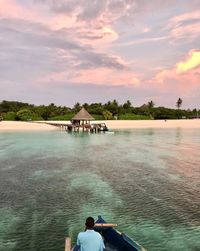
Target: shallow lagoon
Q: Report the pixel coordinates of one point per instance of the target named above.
(145, 180)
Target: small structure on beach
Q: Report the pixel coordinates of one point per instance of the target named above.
(81, 122)
(82, 118)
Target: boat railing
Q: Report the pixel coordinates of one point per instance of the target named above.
(68, 244)
(105, 225)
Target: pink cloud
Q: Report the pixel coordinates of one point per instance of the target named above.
(142, 40)
(185, 26)
(12, 9)
(9, 8)
(192, 61)
(95, 35)
(61, 21)
(174, 21)
(183, 77)
(105, 76)
(98, 76)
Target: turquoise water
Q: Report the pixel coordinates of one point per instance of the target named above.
(145, 180)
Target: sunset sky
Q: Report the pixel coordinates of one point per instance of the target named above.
(64, 51)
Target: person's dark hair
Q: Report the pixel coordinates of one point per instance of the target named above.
(89, 223)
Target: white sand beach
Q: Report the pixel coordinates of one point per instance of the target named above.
(24, 126)
(111, 124)
(128, 124)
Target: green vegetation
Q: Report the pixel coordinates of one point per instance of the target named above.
(27, 115)
(13, 110)
(107, 114)
(67, 116)
(98, 116)
(9, 116)
(132, 116)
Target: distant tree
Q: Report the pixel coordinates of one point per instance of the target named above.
(127, 105)
(47, 111)
(142, 110)
(77, 107)
(13, 106)
(165, 113)
(113, 107)
(9, 116)
(24, 114)
(151, 104)
(107, 114)
(195, 113)
(42, 111)
(179, 103)
(14, 110)
(86, 105)
(95, 108)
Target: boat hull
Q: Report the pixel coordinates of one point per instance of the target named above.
(114, 240)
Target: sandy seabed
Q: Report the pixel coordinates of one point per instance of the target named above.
(111, 124)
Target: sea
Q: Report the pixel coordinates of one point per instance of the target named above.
(147, 181)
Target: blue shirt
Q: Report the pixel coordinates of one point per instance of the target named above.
(90, 240)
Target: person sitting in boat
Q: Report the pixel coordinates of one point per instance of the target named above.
(90, 240)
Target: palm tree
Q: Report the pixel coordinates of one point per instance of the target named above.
(179, 103)
(127, 106)
(151, 104)
(77, 107)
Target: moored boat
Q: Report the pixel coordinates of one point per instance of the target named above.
(113, 239)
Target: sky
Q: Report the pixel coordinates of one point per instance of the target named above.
(68, 51)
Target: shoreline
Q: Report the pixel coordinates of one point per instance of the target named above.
(111, 124)
(133, 124)
(8, 126)
(137, 124)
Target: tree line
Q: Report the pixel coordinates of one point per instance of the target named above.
(14, 110)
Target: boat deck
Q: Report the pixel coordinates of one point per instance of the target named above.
(113, 239)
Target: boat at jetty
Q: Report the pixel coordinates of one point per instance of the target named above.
(113, 239)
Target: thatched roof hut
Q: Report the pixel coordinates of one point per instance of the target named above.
(82, 115)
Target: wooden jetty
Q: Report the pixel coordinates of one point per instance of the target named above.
(81, 122)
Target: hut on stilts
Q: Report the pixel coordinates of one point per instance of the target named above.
(82, 122)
